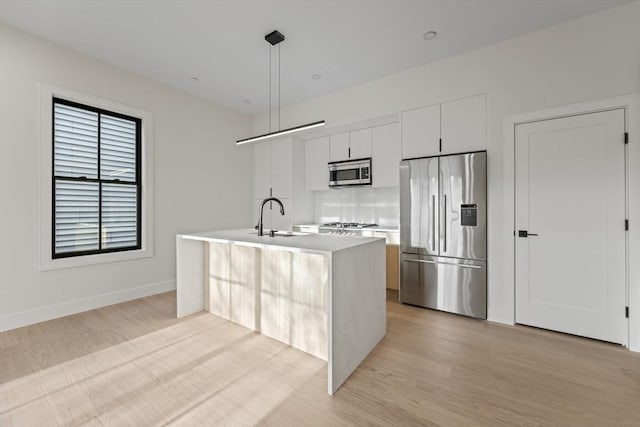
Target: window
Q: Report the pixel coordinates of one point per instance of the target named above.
(96, 180)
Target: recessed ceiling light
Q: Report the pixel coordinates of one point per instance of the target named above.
(430, 35)
(246, 101)
(195, 79)
(316, 76)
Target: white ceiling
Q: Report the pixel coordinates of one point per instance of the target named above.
(221, 42)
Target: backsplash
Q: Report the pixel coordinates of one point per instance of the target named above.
(358, 204)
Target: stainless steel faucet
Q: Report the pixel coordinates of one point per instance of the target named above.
(268, 199)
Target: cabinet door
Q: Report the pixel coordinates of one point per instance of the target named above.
(316, 157)
(360, 144)
(278, 221)
(261, 170)
(464, 125)
(385, 153)
(421, 132)
(393, 266)
(339, 147)
(282, 167)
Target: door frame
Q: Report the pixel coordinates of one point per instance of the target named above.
(631, 105)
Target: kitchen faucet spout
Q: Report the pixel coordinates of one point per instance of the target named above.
(264, 202)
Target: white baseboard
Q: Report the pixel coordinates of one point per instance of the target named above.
(500, 315)
(41, 314)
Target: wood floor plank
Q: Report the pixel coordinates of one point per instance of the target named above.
(134, 364)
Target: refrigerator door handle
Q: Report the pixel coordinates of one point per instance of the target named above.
(444, 235)
(424, 261)
(433, 224)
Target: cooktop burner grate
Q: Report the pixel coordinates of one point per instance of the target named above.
(348, 225)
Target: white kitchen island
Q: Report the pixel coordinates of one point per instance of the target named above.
(322, 294)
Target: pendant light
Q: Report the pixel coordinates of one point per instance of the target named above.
(274, 38)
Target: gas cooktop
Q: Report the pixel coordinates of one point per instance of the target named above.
(348, 225)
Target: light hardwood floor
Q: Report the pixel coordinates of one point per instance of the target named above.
(134, 364)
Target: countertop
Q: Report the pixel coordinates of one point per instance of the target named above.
(308, 243)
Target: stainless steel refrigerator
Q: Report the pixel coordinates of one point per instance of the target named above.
(443, 233)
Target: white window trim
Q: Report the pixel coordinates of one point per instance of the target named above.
(45, 260)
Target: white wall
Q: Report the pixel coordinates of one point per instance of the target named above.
(201, 178)
(592, 57)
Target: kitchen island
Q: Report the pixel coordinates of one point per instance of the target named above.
(322, 294)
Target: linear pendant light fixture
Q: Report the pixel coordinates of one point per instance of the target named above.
(275, 38)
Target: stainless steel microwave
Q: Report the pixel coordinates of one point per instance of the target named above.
(350, 172)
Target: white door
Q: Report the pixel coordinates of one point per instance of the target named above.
(570, 198)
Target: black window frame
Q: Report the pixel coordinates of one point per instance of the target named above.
(98, 180)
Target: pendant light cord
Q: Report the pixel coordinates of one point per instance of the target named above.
(279, 88)
(270, 87)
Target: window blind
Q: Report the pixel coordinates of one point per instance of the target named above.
(96, 186)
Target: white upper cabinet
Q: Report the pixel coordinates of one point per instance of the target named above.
(360, 144)
(261, 170)
(339, 147)
(452, 127)
(281, 168)
(464, 125)
(350, 145)
(385, 153)
(272, 169)
(316, 159)
(421, 132)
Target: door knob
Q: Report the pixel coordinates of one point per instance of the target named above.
(525, 233)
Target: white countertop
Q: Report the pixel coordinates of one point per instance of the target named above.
(308, 243)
